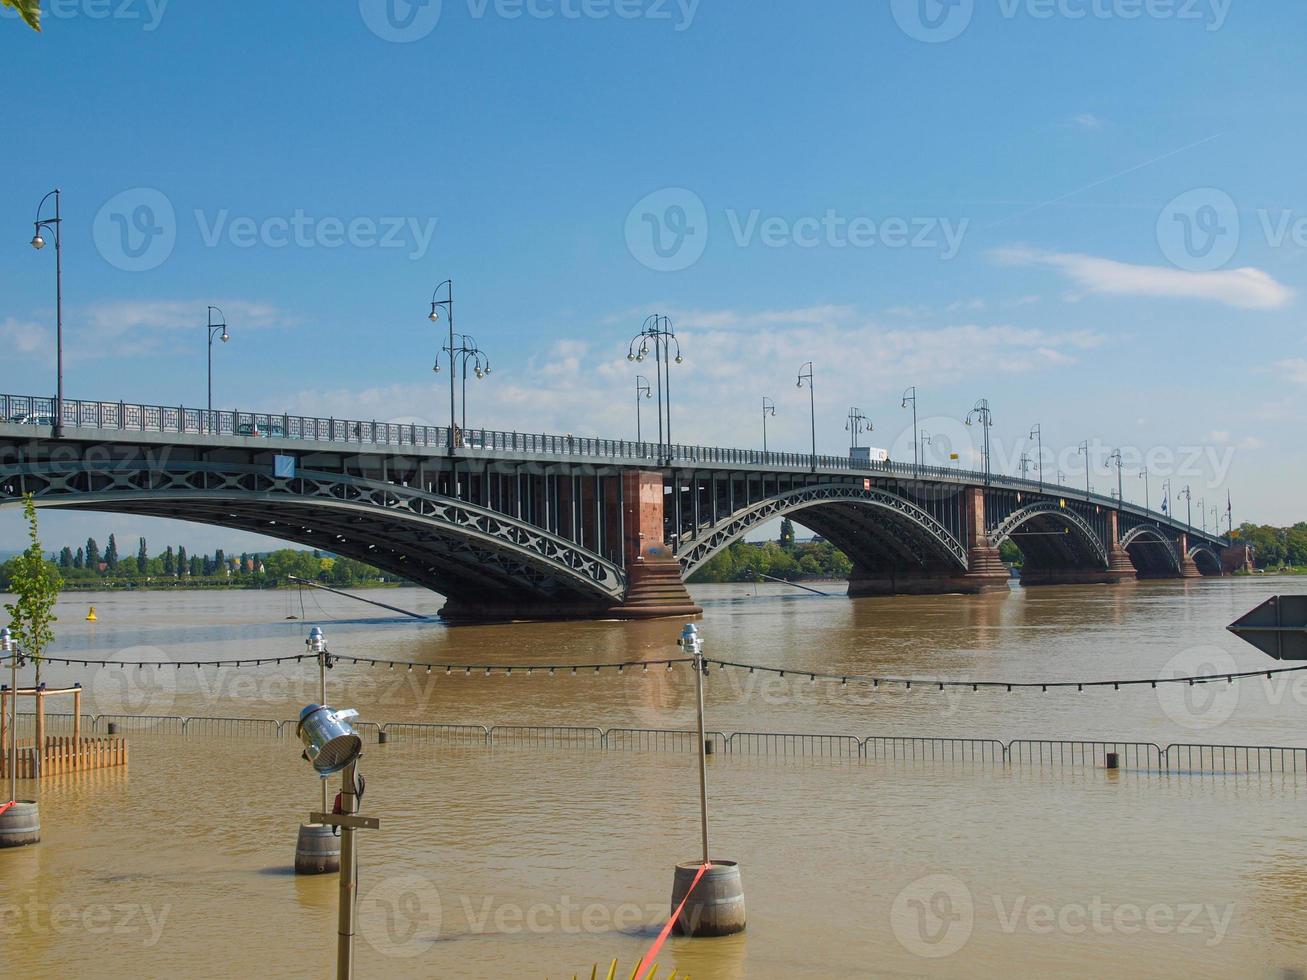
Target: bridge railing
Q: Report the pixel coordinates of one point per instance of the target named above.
(179, 420)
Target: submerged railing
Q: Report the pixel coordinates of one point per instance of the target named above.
(1178, 758)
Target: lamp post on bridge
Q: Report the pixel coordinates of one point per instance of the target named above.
(768, 409)
(1037, 433)
(1148, 504)
(657, 331)
(805, 374)
(1025, 465)
(910, 395)
(857, 423)
(38, 243)
(982, 413)
(642, 387)
(1189, 503)
(434, 316)
(1084, 451)
(1120, 485)
(467, 350)
(215, 330)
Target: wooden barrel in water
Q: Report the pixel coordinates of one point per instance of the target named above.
(20, 824)
(318, 850)
(716, 907)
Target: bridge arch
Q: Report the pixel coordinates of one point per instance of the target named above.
(1151, 551)
(474, 556)
(1052, 536)
(1206, 560)
(876, 529)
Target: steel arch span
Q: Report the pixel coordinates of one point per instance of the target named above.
(1152, 551)
(1043, 545)
(871, 526)
(466, 552)
(1205, 559)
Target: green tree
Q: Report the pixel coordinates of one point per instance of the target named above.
(183, 564)
(36, 584)
(787, 533)
(92, 555)
(111, 554)
(169, 562)
(79, 559)
(66, 558)
(143, 558)
(29, 10)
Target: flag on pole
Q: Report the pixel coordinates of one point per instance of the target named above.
(1165, 505)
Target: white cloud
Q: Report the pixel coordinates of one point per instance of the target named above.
(1087, 120)
(117, 318)
(580, 387)
(1295, 369)
(1247, 288)
(24, 336)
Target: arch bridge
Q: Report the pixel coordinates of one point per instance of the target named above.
(522, 525)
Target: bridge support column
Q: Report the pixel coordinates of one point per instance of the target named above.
(985, 569)
(1188, 568)
(654, 586)
(1119, 566)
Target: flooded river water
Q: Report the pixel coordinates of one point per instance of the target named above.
(530, 861)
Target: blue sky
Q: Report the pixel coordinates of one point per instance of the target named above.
(1088, 211)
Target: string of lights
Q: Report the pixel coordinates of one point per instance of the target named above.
(643, 666)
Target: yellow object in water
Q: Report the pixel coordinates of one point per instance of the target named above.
(90, 616)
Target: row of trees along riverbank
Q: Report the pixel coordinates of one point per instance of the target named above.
(89, 568)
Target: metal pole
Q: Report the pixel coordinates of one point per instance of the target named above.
(812, 413)
(59, 313)
(764, 425)
(452, 369)
(637, 410)
(348, 876)
(916, 448)
(13, 725)
(695, 645)
(322, 699)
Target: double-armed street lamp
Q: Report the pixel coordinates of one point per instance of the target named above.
(459, 355)
(910, 396)
(1120, 485)
(805, 374)
(1083, 450)
(38, 243)
(642, 387)
(1037, 433)
(1188, 495)
(217, 329)
(768, 409)
(857, 423)
(657, 338)
(981, 413)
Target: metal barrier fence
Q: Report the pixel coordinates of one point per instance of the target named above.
(1178, 758)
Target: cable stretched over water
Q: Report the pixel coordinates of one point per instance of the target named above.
(906, 683)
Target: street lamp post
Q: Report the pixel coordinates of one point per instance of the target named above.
(467, 350)
(642, 387)
(805, 374)
(217, 329)
(9, 650)
(657, 332)
(434, 316)
(981, 412)
(38, 243)
(1037, 433)
(857, 423)
(910, 395)
(1083, 450)
(1189, 504)
(1148, 502)
(1025, 464)
(1120, 485)
(768, 409)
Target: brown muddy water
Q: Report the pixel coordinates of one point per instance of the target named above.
(537, 862)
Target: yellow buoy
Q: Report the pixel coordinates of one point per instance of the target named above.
(90, 616)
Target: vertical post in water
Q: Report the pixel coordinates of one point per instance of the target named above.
(348, 875)
(691, 643)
